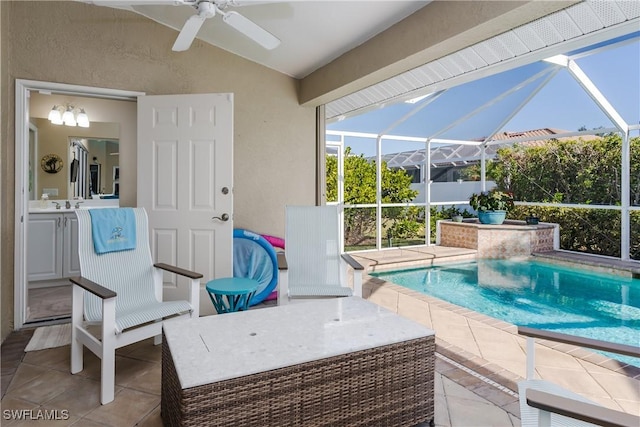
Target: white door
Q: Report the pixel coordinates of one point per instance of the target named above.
(185, 174)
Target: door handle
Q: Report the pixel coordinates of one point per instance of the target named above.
(224, 217)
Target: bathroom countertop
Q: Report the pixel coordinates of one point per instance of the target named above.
(34, 208)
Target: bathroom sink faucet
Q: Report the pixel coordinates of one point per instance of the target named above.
(57, 205)
(67, 205)
(78, 205)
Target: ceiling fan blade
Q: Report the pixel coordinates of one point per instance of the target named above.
(237, 3)
(251, 30)
(188, 33)
(124, 3)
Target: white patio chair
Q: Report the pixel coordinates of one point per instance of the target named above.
(121, 291)
(313, 266)
(544, 404)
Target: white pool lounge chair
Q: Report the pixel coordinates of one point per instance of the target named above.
(544, 404)
(313, 265)
(122, 292)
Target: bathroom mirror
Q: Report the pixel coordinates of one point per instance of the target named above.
(87, 156)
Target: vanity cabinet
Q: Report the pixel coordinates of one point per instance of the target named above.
(52, 246)
(70, 259)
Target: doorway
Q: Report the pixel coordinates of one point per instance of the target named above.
(26, 162)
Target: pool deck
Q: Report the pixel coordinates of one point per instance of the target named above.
(491, 348)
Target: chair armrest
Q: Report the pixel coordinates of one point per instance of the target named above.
(357, 273)
(180, 271)
(282, 261)
(582, 411)
(352, 262)
(93, 287)
(627, 350)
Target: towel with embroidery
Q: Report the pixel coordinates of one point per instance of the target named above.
(113, 229)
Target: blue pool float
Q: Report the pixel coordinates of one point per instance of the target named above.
(255, 258)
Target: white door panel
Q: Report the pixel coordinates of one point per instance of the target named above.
(185, 158)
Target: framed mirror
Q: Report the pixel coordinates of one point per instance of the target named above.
(100, 146)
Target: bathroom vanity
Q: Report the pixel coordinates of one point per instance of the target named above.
(52, 243)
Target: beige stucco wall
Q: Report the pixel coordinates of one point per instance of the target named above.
(74, 43)
(6, 192)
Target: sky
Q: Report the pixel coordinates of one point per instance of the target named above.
(561, 103)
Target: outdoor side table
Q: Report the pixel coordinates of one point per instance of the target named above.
(231, 293)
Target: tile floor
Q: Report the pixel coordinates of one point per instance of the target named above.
(468, 344)
(42, 382)
(49, 303)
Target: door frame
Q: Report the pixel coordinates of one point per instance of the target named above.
(23, 89)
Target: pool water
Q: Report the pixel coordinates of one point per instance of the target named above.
(538, 295)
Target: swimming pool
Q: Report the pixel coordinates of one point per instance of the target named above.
(536, 294)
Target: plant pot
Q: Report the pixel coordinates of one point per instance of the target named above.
(532, 220)
(456, 218)
(492, 217)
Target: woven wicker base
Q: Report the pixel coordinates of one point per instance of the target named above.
(385, 386)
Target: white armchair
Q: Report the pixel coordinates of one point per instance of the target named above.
(544, 403)
(121, 292)
(313, 265)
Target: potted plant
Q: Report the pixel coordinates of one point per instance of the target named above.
(492, 206)
(455, 214)
(532, 219)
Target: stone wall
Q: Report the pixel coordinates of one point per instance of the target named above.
(510, 239)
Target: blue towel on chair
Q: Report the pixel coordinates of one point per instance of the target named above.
(113, 229)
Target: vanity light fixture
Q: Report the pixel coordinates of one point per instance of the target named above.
(69, 116)
(82, 119)
(55, 116)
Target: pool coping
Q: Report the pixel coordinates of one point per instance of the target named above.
(472, 361)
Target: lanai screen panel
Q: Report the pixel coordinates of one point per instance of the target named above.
(462, 101)
(374, 121)
(619, 81)
(485, 122)
(561, 104)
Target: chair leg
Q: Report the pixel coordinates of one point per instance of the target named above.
(76, 321)
(357, 283)
(108, 378)
(283, 287)
(108, 362)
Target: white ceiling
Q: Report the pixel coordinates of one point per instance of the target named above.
(313, 33)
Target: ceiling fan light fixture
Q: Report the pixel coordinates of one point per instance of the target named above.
(207, 9)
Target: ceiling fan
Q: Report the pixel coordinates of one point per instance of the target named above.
(205, 9)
